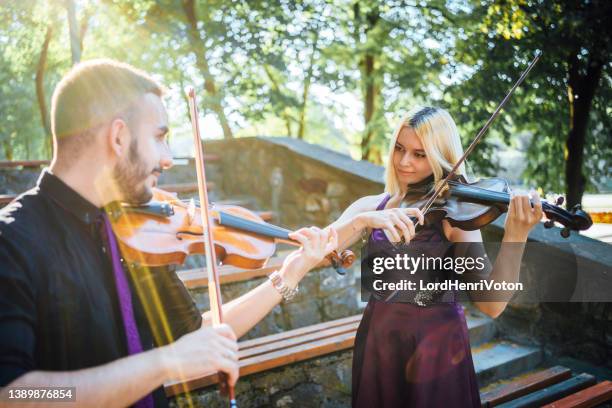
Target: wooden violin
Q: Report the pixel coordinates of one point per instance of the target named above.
(166, 230)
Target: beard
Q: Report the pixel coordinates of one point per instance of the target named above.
(130, 175)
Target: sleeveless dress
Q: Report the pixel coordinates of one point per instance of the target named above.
(408, 355)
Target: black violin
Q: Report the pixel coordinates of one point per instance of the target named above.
(471, 206)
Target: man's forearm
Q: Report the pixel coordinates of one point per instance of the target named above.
(117, 384)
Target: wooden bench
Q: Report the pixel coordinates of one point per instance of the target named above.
(4, 164)
(39, 163)
(524, 385)
(265, 215)
(184, 188)
(6, 198)
(589, 397)
(284, 348)
(554, 386)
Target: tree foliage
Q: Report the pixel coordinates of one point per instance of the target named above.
(295, 68)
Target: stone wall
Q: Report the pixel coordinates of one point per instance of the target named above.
(320, 382)
(17, 180)
(304, 184)
(323, 296)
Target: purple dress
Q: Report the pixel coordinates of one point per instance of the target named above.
(413, 356)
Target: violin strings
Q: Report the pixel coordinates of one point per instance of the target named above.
(492, 194)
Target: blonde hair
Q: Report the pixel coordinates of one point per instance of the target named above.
(439, 136)
(95, 91)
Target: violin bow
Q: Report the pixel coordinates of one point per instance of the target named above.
(484, 129)
(214, 290)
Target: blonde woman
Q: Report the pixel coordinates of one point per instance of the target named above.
(414, 351)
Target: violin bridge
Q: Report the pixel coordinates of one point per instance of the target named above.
(191, 211)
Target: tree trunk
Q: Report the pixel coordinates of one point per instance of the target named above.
(75, 38)
(40, 90)
(368, 78)
(581, 91)
(198, 45)
(8, 149)
(276, 87)
(306, 90)
(369, 97)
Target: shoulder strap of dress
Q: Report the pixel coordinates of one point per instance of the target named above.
(383, 202)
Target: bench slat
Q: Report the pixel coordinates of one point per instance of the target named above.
(552, 393)
(272, 360)
(184, 187)
(23, 163)
(589, 397)
(524, 385)
(297, 353)
(6, 198)
(38, 163)
(296, 341)
(272, 338)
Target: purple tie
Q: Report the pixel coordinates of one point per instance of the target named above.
(125, 301)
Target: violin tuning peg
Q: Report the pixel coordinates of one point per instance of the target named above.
(565, 232)
(560, 200)
(549, 224)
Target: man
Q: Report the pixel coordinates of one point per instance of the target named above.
(71, 313)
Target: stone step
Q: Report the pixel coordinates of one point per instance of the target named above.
(503, 359)
(482, 328)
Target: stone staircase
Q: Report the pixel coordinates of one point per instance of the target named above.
(496, 358)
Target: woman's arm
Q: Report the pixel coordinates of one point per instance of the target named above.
(350, 226)
(362, 215)
(244, 312)
(521, 218)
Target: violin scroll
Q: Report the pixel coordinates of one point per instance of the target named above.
(342, 261)
(575, 219)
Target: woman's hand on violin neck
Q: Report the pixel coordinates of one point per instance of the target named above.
(522, 217)
(395, 222)
(316, 245)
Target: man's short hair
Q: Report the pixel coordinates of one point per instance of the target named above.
(94, 92)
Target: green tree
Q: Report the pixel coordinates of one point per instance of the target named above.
(563, 102)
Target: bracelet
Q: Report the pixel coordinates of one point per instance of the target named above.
(279, 284)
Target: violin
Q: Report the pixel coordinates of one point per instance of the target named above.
(471, 206)
(166, 230)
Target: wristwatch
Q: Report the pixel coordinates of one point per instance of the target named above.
(279, 284)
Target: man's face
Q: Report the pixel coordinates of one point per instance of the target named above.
(148, 155)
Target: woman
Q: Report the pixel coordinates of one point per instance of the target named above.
(413, 352)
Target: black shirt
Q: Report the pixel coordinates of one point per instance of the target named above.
(59, 308)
